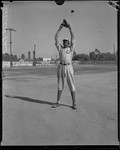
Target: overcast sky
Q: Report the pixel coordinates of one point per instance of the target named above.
(94, 24)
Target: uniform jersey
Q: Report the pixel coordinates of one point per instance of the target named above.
(65, 55)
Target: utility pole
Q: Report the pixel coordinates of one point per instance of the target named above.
(10, 29)
(29, 55)
(34, 59)
(34, 51)
(114, 50)
(56, 60)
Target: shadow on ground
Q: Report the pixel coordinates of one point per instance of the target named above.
(34, 100)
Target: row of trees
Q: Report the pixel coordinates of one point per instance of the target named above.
(7, 57)
(95, 55)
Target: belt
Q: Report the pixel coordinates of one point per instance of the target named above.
(64, 64)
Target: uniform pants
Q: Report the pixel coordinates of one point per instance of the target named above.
(65, 71)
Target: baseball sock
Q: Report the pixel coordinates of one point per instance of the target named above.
(59, 96)
(73, 99)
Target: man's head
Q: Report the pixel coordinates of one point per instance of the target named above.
(65, 43)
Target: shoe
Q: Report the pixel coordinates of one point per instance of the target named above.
(56, 105)
(74, 107)
(58, 102)
(73, 100)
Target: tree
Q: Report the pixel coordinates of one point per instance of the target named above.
(76, 57)
(102, 56)
(92, 56)
(81, 57)
(23, 56)
(110, 56)
(6, 56)
(97, 53)
(39, 59)
(29, 55)
(14, 57)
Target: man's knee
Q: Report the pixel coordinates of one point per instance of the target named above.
(60, 88)
(72, 88)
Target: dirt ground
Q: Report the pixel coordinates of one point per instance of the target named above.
(28, 118)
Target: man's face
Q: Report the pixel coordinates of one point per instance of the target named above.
(65, 43)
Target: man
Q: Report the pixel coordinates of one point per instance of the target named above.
(65, 68)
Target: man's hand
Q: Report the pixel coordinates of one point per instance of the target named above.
(65, 24)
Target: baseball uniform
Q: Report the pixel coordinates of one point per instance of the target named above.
(65, 68)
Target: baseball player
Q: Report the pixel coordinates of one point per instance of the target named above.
(65, 68)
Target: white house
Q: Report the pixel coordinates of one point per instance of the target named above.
(46, 59)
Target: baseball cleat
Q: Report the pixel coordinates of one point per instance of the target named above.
(74, 107)
(56, 105)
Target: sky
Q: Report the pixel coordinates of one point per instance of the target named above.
(94, 24)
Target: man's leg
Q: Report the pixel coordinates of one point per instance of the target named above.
(60, 77)
(59, 93)
(73, 99)
(70, 81)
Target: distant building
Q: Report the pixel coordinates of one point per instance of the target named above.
(46, 59)
(28, 62)
(22, 62)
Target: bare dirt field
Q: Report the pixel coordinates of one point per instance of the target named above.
(28, 119)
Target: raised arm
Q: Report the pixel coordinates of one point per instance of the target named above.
(72, 42)
(57, 36)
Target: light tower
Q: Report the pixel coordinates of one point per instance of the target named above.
(29, 55)
(10, 29)
(34, 59)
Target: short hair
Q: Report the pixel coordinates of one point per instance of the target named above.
(65, 40)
